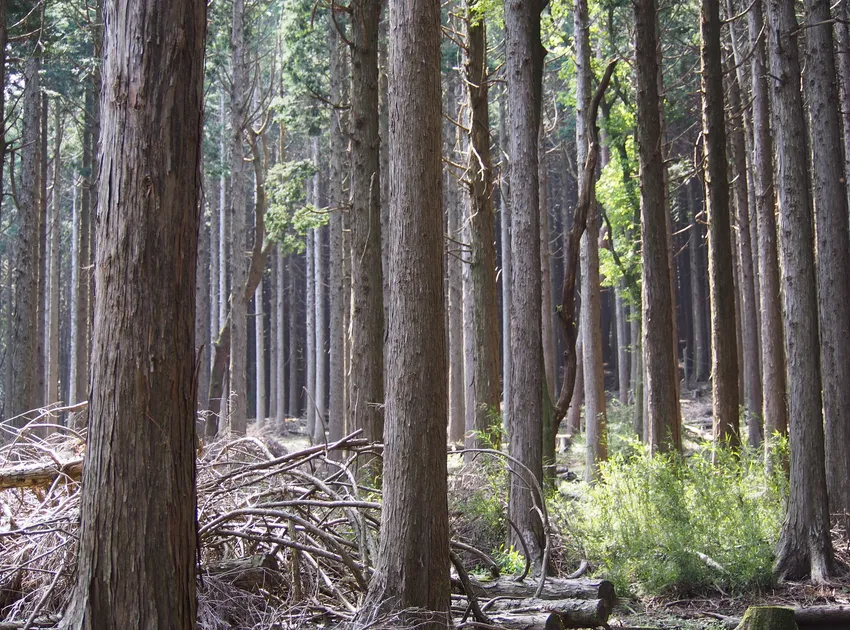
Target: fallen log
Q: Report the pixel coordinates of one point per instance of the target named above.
(572, 613)
(823, 617)
(554, 588)
(249, 573)
(39, 474)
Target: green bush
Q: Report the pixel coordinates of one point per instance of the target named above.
(665, 524)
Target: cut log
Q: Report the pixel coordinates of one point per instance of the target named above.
(249, 573)
(768, 618)
(554, 588)
(538, 621)
(573, 613)
(39, 474)
(826, 617)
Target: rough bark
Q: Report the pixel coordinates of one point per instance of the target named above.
(309, 393)
(842, 55)
(42, 290)
(412, 570)
(547, 305)
(833, 251)
(52, 392)
(524, 68)
(280, 354)
(804, 546)
(321, 350)
(657, 310)
(202, 307)
(22, 395)
(238, 395)
(294, 395)
(259, 355)
(366, 383)
(724, 347)
(505, 237)
(483, 393)
(772, 350)
(139, 478)
(213, 289)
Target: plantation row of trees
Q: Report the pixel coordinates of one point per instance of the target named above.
(412, 221)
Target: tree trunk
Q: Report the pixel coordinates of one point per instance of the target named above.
(623, 342)
(259, 355)
(280, 355)
(412, 571)
(43, 290)
(833, 251)
(213, 288)
(483, 393)
(724, 352)
(238, 394)
(202, 306)
(547, 306)
(591, 309)
(773, 353)
(524, 67)
(23, 343)
(294, 344)
(697, 298)
(140, 476)
(309, 393)
(657, 310)
(805, 547)
(574, 412)
(223, 223)
(339, 298)
(842, 40)
(505, 236)
(53, 394)
(321, 351)
(367, 307)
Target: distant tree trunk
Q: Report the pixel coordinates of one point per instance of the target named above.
(280, 357)
(339, 298)
(749, 324)
(55, 233)
(259, 354)
(805, 547)
(591, 309)
(547, 306)
(483, 394)
(223, 222)
(23, 343)
(43, 289)
(657, 311)
(309, 393)
(294, 394)
(367, 308)
(833, 251)
(239, 94)
(213, 288)
(321, 352)
(202, 305)
(574, 412)
(724, 359)
(454, 281)
(697, 297)
(412, 572)
(505, 236)
(142, 574)
(773, 353)
(623, 342)
(272, 388)
(524, 68)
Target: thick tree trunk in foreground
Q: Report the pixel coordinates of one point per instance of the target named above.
(657, 311)
(367, 298)
(805, 547)
(833, 251)
(23, 344)
(724, 359)
(137, 553)
(412, 571)
(524, 68)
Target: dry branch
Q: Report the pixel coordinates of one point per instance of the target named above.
(39, 474)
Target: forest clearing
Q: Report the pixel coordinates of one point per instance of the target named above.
(507, 315)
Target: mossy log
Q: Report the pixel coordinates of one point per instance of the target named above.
(768, 618)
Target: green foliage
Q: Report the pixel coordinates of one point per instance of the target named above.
(510, 561)
(665, 524)
(289, 217)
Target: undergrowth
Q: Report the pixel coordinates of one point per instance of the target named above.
(671, 525)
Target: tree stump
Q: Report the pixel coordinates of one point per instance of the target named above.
(768, 618)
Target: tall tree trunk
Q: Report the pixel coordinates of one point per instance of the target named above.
(280, 356)
(505, 236)
(454, 281)
(805, 547)
(294, 346)
(223, 222)
(202, 306)
(773, 352)
(238, 395)
(55, 232)
(591, 309)
(23, 343)
(623, 342)
(321, 351)
(339, 298)
(749, 306)
(143, 573)
(657, 310)
(833, 251)
(724, 358)
(367, 304)
(412, 572)
(483, 394)
(309, 393)
(842, 41)
(547, 306)
(43, 289)
(259, 356)
(213, 288)
(524, 65)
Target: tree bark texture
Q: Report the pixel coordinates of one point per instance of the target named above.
(366, 383)
(832, 248)
(657, 310)
(724, 347)
(805, 547)
(413, 563)
(137, 549)
(505, 237)
(52, 392)
(524, 68)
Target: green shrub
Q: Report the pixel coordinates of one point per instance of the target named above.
(665, 524)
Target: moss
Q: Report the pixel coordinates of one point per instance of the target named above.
(768, 618)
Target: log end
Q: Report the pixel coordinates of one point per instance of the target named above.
(768, 618)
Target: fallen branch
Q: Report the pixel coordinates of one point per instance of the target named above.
(39, 474)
